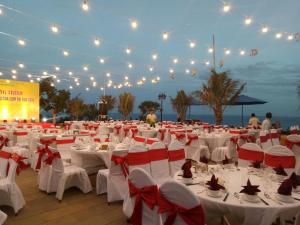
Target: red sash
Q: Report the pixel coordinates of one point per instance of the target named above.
(134, 131)
(284, 161)
(162, 134)
(19, 160)
(250, 155)
(118, 128)
(51, 156)
(138, 158)
(192, 216)
(158, 154)
(64, 141)
(179, 136)
(294, 131)
(191, 138)
(274, 135)
(290, 144)
(41, 151)
(125, 131)
(176, 155)
(151, 141)
(97, 140)
(20, 133)
(121, 160)
(263, 139)
(148, 195)
(139, 139)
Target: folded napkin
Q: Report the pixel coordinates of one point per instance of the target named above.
(280, 170)
(203, 159)
(213, 184)
(295, 180)
(256, 164)
(250, 189)
(286, 187)
(186, 167)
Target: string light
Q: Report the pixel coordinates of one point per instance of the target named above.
(13, 71)
(45, 73)
(14, 77)
(39, 79)
(77, 83)
(187, 71)
(85, 68)
(31, 81)
(87, 89)
(128, 51)
(70, 73)
(134, 24)
(175, 61)
(165, 35)
(227, 52)
(242, 52)
(143, 79)
(85, 5)
(171, 71)
(54, 29)
(1, 73)
(126, 78)
(94, 84)
(21, 42)
(207, 63)
(264, 29)
(154, 56)
(107, 74)
(1, 11)
(278, 35)
(65, 53)
(226, 7)
(210, 50)
(58, 80)
(57, 68)
(92, 78)
(102, 61)
(290, 37)
(97, 41)
(54, 76)
(29, 75)
(76, 80)
(248, 21)
(21, 65)
(192, 44)
(71, 87)
(192, 62)
(151, 68)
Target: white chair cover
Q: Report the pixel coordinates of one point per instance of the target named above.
(194, 149)
(249, 153)
(176, 156)
(63, 145)
(21, 137)
(294, 141)
(4, 157)
(138, 157)
(264, 140)
(275, 137)
(3, 217)
(159, 162)
(140, 179)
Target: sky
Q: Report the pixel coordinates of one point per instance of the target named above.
(272, 75)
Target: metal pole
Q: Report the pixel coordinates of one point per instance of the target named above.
(161, 109)
(242, 115)
(214, 52)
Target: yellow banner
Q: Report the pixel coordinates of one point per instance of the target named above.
(19, 100)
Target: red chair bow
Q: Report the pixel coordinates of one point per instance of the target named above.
(191, 138)
(118, 128)
(4, 142)
(51, 156)
(19, 160)
(134, 131)
(5, 155)
(192, 216)
(121, 160)
(162, 134)
(176, 155)
(126, 129)
(290, 143)
(148, 195)
(263, 139)
(179, 136)
(41, 151)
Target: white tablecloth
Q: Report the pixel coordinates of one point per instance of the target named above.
(215, 140)
(247, 213)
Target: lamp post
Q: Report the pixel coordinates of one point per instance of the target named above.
(161, 97)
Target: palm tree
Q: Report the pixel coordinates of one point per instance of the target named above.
(220, 91)
(109, 100)
(181, 104)
(75, 107)
(126, 104)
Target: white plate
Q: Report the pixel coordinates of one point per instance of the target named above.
(214, 194)
(251, 198)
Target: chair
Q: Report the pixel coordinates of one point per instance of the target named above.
(63, 145)
(140, 204)
(178, 205)
(21, 138)
(176, 156)
(138, 157)
(293, 143)
(249, 153)
(62, 178)
(280, 155)
(139, 140)
(159, 162)
(3, 217)
(274, 136)
(4, 157)
(10, 193)
(264, 140)
(229, 151)
(113, 180)
(194, 149)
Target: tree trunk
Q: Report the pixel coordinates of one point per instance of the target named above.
(218, 115)
(54, 118)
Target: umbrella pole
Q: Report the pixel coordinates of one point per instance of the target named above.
(242, 115)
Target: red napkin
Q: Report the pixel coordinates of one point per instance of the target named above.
(280, 170)
(250, 189)
(286, 187)
(213, 184)
(203, 159)
(295, 180)
(186, 167)
(256, 164)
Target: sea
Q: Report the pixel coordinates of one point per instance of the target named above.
(235, 120)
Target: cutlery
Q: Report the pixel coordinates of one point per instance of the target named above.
(298, 199)
(263, 201)
(226, 196)
(192, 184)
(269, 197)
(237, 196)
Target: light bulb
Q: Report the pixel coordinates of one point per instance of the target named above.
(97, 41)
(227, 52)
(290, 37)
(77, 83)
(57, 68)
(92, 78)
(76, 80)
(264, 29)
(192, 44)
(22, 42)
(87, 89)
(154, 56)
(94, 84)
(134, 24)
(85, 68)
(21, 65)
(102, 61)
(65, 53)
(70, 73)
(58, 80)
(14, 77)
(1, 73)
(31, 81)
(54, 76)
(143, 79)
(171, 71)
(45, 73)
(1, 11)
(29, 75)
(71, 87)
(157, 78)
(126, 78)
(128, 51)
(165, 35)
(151, 68)
(175, 61)
(207, 63)
(107, 74)
(226, 8)
(248, 21)
(192, 62)
(14, 71)
(38, 79)
(210, 50)
(54, 29)
(85, 5)
(187, 71)
(278, 35)
(242, 52)
(102, 88)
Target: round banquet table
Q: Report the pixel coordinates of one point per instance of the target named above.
(247, 213)
(148, 133)
(214, 140)
(90, 160)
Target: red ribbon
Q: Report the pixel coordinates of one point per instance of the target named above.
(51, 156)
(41, 151)
(19, 133)
(19, 160)
(97, 140)
(134, 131)
(179, 136)
(294, 131)
(176, 155)
(263, 139)
(138, 158)
(67, 126)
(151, 141)
(126, 129)
(284, 161)
(121, 160)
(148, 195)
(250, 155)
(139, 139)
(251, 138)
(238, 131)
(290, 143)
(191, 138)
(118, 128)
(162, 134)
(64, 141)
(5, 155)
(274, 135)
(4, 141)
(158, 154)
(192, 216)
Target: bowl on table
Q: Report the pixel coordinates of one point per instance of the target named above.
(250, 198)
(214, 193)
